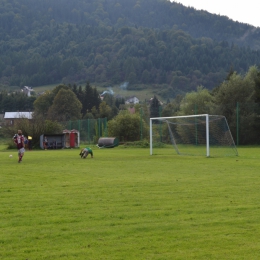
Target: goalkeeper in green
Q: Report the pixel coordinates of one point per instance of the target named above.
(85, 152)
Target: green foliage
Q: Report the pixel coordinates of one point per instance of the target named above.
(155, 107)
(52, 127)
(34, 127)
(105, 110)
(240, 90)
(149, 42)
(127, 127)
(172, 108)
(236, 98)
(66, 106)
(43, 103)
(137, 144)
(257, 87)
(15, 101)
(198, 102)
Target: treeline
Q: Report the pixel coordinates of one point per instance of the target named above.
(19, 17)
(72, 102)
(237, 98)
(109, 42)
(139, 56)
(15, 101)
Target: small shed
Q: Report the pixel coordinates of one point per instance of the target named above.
(107, 142)
(55, 141)
(67, 138)
(72, 138)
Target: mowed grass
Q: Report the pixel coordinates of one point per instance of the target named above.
(126, 204)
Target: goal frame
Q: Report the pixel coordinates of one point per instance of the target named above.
(187, 116)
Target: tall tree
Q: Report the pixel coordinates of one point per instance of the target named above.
(88, 99)
(235, 99)
(196, 102)
(66, 106)
(155, 107)
(43, 103)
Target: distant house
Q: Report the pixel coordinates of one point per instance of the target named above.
(11, 117)
(27, 90)
(132, 100)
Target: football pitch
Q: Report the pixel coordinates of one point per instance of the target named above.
(125, 204)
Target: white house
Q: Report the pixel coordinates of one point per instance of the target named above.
(27, 90)
(10, 117)
(132, 100)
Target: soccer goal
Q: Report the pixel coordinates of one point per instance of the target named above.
(204, 134)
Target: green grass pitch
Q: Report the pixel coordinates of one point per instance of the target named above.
(125, 204)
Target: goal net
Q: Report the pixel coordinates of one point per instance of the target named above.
(192, 135)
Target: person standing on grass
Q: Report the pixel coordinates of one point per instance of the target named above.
(30, 143)
(45, 143)
(19, 142)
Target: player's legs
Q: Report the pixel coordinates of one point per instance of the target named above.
(20, 154)
(85, 154)
(81, 152)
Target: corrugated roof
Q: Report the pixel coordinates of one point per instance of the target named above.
(11, 115)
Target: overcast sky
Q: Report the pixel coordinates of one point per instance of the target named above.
(237, 10)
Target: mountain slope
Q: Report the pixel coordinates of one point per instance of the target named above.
(108, 42)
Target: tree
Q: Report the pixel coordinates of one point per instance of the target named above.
(119, 101)
(65, 106)
(155, 107)
(257, 87)
(235, 99)
(34, 127)
(127, 127)
(172, 108)
(43, 103)
(88, 99)
(196, 102)
(105, 110)
(56, 90)
(96, 98)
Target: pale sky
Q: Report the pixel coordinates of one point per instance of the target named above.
(237, 10)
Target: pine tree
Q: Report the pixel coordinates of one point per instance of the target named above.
(155, 107)
(88, 99)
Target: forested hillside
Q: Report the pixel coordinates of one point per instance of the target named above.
(148, 42)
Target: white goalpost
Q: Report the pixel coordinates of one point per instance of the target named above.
(192, 135)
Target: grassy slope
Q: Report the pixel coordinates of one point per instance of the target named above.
(125, 204)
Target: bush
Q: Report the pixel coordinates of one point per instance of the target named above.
(127, 127)
(137, 144)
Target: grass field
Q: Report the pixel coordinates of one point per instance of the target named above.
(43, 88)
(126, 204)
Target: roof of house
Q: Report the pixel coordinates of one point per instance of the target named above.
(12, 115)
